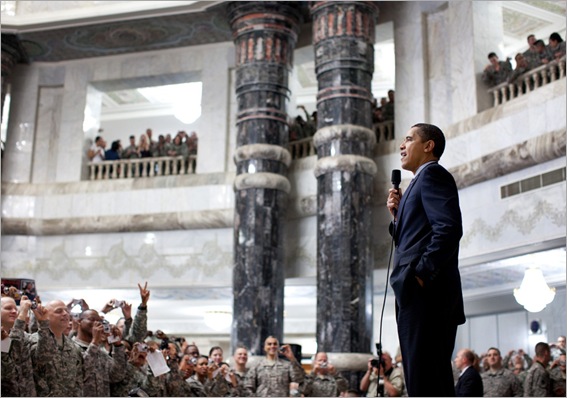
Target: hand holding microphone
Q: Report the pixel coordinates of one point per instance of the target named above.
(394, 194)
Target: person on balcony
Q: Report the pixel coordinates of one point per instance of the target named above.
(544, 54)
(556, 46)
(521, 68)
(96, 151)
(152, 143)
(131, 152)
(531, 54)
(114, 152)
(178, 148)
(161, 148)
(192, 143)
(388, 108)
(496, 71)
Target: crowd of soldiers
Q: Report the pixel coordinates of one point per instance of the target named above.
(61, 351)
(69, 349)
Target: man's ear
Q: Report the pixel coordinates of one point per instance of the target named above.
(429, 145)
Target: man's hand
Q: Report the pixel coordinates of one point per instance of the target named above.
(25, 305)
(144, 293)
(40, 313)
(127, 310)
(98, 333)
(287, 352)
(331, 369)
(186, 367)
(108, 306)
(394, 197)
(5, 334)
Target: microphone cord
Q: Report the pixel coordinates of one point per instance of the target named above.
(386, 291)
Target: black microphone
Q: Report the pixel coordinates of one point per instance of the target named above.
(396, 179)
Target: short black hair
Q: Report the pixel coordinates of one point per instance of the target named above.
(495, 349)
(539, 43)
(490, 55)
(98, 138)
(555, 36)
(541, 348)
(430, 132)
(214, 349)
(133, 136)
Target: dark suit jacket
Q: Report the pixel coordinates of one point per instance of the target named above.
(469, 384)
(427, 235)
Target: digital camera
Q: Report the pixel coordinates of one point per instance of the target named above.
(106, 326)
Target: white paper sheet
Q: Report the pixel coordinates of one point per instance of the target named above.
(157, 363)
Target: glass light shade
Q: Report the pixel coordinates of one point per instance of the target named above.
(534, 293)
(218, 320)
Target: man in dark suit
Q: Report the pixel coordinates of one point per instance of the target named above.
(427, 228)
(470, 382)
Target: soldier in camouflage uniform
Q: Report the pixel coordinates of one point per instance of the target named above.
(240, 370)
(138, 374)
(58, 362)
(201, 381)
(538, 382)
(17, 369)
(100, 369)
(209, 380)
(557, 374)
(498, 381)
(496, 71)
(177, 382)
(324, 381)
(270, 376)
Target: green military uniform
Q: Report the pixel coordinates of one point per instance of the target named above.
(501, 383)
(101, 369)
(58, 368)
(271, 378)
(324, 385)
(17, 368)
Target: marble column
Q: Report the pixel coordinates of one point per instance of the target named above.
(264, 35)
(12, 54)
(343, 38)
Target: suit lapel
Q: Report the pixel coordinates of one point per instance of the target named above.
(405, 196)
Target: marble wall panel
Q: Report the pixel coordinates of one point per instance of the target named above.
(300, 242)
(438, 69)
(119, 202)
(52, 76)
(47, 134)
(521, 123)
(492, 224)
(213, 142)
(303, 183)
(19, 206)
(122, 260)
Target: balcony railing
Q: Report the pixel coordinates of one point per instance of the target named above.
(142, 168)
(528, 82)
(304, 148)
(384, 131)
